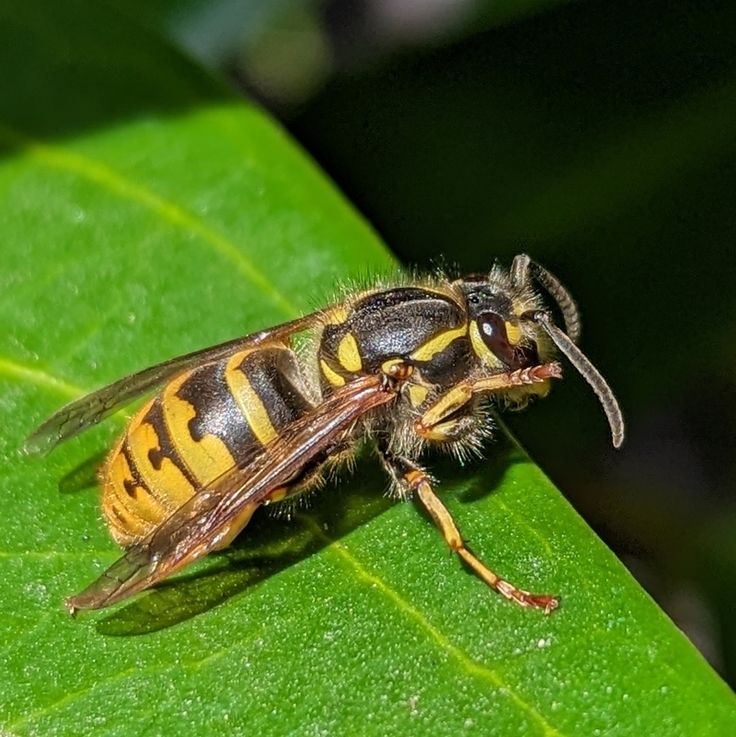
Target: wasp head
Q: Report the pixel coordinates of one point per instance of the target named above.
(510, 328)
(501, 335)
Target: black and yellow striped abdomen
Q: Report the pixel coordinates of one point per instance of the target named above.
(201, 425)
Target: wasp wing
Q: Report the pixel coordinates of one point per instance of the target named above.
(204, 521)
(83, 413)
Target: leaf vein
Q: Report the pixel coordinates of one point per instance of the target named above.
(169, 211)
(10, 367)
(55, 554)
(481, 672)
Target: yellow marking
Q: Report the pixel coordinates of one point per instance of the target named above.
(520, 394)
(139, 504)
(167, 483)
(417, 394)
(277, 495)
(207, 458)
(514, 333)
(124, 529)
(481, 349)
(337, 315)
(438, 344)
(333, 377)
(133, 512)
(348, 354)
(440, 433)
(249, 402)
(112, 474)
(137, 418)
(127, 519)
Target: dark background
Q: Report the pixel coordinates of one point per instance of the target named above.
(601, 139)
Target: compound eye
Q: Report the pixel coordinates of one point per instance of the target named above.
(492, 329)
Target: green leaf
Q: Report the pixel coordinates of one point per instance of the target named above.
(146, 213)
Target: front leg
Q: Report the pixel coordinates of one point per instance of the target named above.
(409, 477)
(443, 420)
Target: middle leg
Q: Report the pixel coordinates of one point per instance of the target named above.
(410, 478)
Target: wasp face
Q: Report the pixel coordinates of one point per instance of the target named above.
(496, 326)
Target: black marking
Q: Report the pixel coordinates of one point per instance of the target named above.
(155, 418)
(274, 375)
(217, 412)
(130, 488)
(450, 365)
(138, 480)
(387, 298)
(124, 523)
(484, 297)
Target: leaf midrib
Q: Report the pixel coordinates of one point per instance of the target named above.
(171, 212)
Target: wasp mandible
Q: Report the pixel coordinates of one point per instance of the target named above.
(253, 422)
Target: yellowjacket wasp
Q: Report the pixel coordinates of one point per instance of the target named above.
(252, 421)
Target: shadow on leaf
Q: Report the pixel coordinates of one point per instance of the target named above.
(269, 544)
(266, 547)
(84, 476)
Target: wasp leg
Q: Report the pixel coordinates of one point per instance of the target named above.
(236, 527)
(438, 421)
(412, 478)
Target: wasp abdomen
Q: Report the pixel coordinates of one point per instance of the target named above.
(203, 423)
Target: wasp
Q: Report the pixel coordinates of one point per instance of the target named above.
(256, 421)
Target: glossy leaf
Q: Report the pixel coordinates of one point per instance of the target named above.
(146, 213)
